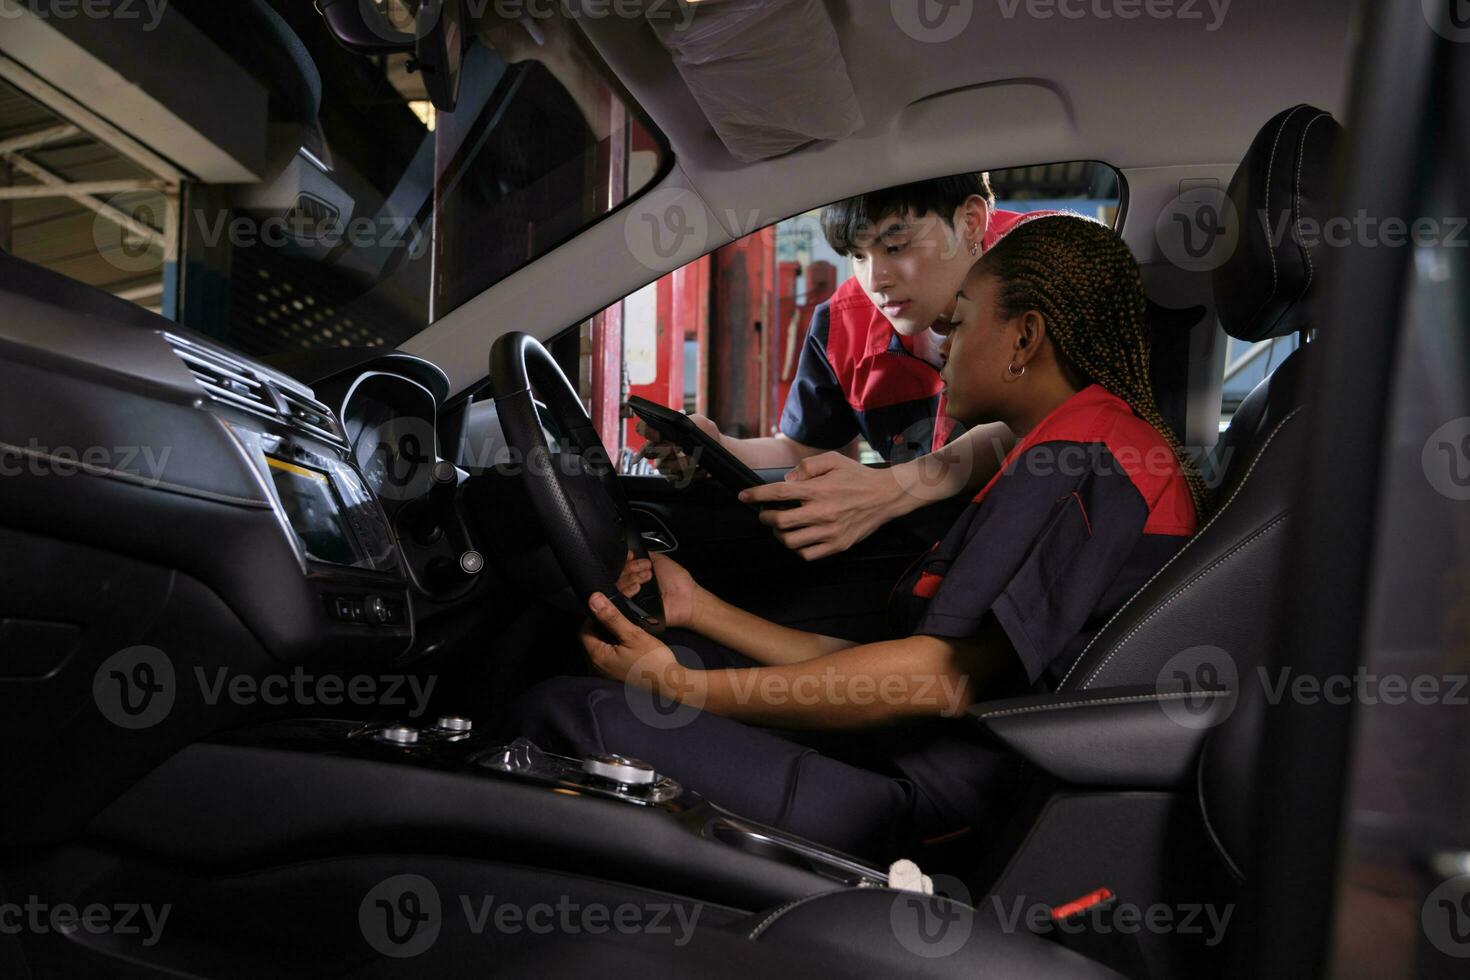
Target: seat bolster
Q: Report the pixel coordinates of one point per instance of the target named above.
(896, 933)
(1129, 737)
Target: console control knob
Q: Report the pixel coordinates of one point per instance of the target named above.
(399, 735)
(453, 723)
(620, 769)
(471, 562)
(377, 610)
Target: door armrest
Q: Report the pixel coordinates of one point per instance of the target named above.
(1135, 737)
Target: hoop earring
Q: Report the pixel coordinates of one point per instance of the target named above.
(1013, 373)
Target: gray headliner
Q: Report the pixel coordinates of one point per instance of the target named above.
(1160, 99)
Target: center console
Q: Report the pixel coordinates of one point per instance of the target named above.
(440, 786)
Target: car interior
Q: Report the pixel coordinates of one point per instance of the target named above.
(269, 592)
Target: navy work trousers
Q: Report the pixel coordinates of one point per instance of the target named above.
(876, 793)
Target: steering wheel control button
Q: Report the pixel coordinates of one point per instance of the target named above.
(471, 562)
(454, 723)
(620, 769)
(399, 735)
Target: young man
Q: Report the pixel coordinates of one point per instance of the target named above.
(870, 369)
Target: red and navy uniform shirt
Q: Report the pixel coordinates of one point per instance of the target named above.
(1088, 506)
(858, 376)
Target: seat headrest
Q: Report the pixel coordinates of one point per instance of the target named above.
(1264, 288)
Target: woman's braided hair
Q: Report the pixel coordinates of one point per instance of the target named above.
(1079, 275)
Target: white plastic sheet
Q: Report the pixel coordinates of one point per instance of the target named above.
(769, 74)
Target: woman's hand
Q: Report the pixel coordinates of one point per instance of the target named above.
(634, 657)
(680, 593)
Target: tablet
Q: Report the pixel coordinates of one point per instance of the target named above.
(714, 458)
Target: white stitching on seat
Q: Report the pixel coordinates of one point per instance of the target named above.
(1270, 165)
(1130, 699)
(768, 920)
(1297, 206)
(1187, 545)
(1259, 532)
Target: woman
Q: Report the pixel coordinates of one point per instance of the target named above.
(1048, 338)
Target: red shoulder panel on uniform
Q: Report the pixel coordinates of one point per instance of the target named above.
(1096, 415)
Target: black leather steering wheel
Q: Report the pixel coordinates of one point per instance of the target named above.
(575, 492)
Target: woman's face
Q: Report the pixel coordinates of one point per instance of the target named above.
(977, 350)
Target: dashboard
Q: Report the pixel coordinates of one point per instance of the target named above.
(167, 497)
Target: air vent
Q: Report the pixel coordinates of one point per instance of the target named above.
(313, 417)
(224, 378)
(233, 382)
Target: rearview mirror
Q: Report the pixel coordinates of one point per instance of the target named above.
(431, 30)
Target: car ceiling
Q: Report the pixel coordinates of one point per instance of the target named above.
(1163, 99)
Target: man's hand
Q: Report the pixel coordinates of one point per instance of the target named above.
(842, 502)
(676, 587)
(671, 461)
(634, 656)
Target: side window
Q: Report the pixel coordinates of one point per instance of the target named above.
(723, 336)
(1247, 365)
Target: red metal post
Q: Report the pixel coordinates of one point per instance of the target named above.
(607, 326)
(744, 305)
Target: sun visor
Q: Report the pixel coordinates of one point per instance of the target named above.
(768, 74)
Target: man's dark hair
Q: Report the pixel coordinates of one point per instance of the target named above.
(849, 222)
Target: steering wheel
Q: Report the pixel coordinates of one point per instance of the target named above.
(575, 492)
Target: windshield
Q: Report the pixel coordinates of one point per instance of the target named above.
(285, 193)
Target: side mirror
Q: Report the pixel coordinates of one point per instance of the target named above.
(431, 30)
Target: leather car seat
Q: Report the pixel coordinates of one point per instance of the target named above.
(1220, 588)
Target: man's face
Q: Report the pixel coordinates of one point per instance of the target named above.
(911, 266)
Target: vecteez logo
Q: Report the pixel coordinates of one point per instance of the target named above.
(135, 688)
(404, 916)
(1450, 19)
(930, 926)
(1446, 459)
(138, 687)
(667, 229)
(401, 916)
(674, 706)
(1445, 917)
(1198, 230)
(932, 21)
(1192, 684)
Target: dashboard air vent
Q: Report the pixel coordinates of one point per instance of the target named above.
(313, 417)
(223, 378)
(233, 382)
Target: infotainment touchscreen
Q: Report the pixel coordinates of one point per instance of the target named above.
(315, 512)
(328, 508)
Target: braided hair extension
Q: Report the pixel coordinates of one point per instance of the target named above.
(1079, 275)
